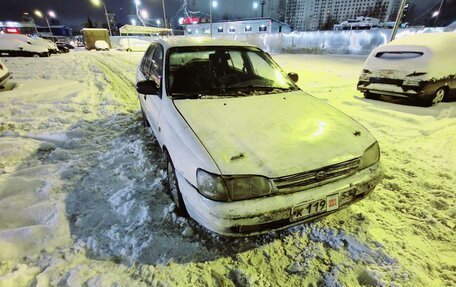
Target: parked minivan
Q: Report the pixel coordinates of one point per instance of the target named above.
(420, 67)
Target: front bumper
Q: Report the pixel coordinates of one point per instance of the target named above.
(256, 216)
(387, 88)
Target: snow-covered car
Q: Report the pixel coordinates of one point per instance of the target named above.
(5, 75)
(247, 151)
(101, 45)
(421, 67)
(133, 45)
(35, 41)
(13, 48)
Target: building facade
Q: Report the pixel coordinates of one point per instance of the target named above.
(311, 15)
(246, 26)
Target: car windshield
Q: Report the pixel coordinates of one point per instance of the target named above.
(195, 72)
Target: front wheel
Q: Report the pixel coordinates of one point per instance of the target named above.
(145, 122)
(173, 188)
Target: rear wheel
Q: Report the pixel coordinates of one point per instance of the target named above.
(36, 55)
(436, 98)
(173, 188)
(371, 96)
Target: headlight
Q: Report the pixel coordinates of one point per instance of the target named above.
(364, 77)
(211, 185)
(410, 82)
(248, 187)
(371, 156)
(228, 188)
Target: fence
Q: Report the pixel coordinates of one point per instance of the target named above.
(360, 42)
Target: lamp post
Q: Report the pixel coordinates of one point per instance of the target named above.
(164, 14)
(255, 7)
(98, 3)
(211, 4)
(39, 14)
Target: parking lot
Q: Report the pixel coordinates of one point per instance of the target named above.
(82, 196)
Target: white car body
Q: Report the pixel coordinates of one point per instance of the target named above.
(415, 66)
(5, 75)
(13, 47)
(101, 45)
(35, 41)
(277, 136)
(134, 45)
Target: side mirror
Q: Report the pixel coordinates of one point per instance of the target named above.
(294, 77)
(147, 87)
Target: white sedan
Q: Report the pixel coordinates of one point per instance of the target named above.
(247, 150)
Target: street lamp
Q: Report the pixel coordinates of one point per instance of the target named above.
(212, 4)
(137, 3)
(98, 3)
(39, 14)
(255, 7)
(133, 22)
(144, 14)
(158, 23)
(164, 14)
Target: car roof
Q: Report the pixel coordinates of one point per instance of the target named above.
(183, 41)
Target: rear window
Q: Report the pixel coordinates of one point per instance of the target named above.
(398, 55)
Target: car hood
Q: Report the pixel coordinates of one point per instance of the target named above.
(274, 135)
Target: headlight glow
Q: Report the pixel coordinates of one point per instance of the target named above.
(371, 156)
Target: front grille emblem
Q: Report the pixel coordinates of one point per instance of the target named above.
(321, 175)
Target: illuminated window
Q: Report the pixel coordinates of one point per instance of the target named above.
(248, 29)
(263, 28)
(220, 29)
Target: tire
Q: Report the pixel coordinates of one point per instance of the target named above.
(173, 188)
(436, 98)
(36, 55)
(371, 96)
(128, 50)
(145, 122)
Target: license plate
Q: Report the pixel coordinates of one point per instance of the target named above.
(315, 207)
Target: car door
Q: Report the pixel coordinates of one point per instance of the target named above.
(153, 102)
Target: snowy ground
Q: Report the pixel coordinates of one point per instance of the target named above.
(82, 198)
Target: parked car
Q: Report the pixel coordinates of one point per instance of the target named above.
(101, 45)
(14, 48)
(421, 67)
(133, 45)
(35, 41)
(5, 75)
(62, 48)
(64, 44)
(247, 151)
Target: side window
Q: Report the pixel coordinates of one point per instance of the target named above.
(147, 60)
(157, 62)
(236, 60)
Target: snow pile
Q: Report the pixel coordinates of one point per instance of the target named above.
(83, 200)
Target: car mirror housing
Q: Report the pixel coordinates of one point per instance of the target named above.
(294, 77)
(147, 87)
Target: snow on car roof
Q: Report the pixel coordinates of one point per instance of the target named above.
(180, 41)
(432, 41)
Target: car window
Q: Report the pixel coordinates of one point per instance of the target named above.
(147, 61)
(223, 71)
(157, 61)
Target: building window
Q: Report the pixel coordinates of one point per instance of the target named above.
(262, 28)
(220, 29)
(248, 29)
(232, 29)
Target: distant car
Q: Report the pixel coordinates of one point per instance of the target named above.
(62, 48)
(16, 48)
(5, 75)
(35, 41)
(247, 151)
(420, 67)
(64, 44)
(101, 45)
(133, 45)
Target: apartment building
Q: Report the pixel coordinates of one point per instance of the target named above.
(310, 15)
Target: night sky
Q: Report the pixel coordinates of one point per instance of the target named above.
(75, 12)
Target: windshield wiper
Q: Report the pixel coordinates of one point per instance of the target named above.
(208, 94)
